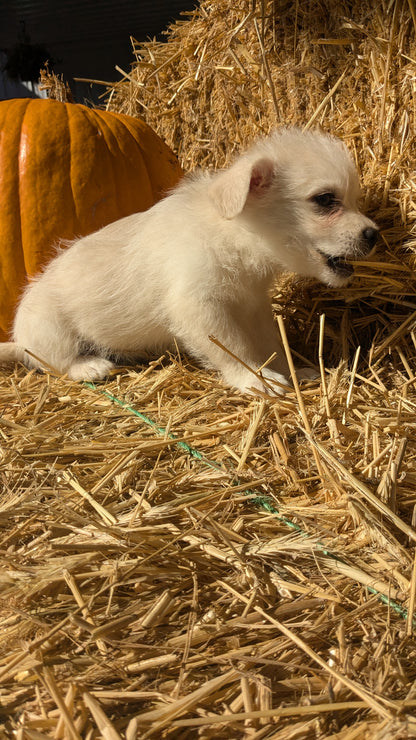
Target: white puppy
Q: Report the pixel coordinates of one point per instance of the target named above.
(200, 263)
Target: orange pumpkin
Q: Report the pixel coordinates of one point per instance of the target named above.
(65, 171)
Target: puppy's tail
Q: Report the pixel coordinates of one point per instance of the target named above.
(11, 352)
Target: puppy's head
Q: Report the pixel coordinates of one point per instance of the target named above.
(299, 192)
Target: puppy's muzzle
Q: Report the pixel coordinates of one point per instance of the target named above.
(340, 265)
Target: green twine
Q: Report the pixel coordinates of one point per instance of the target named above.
(259, 500)
(159, 430)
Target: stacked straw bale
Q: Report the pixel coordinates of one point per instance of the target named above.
(182, 561)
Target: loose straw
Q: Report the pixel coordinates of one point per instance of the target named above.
(322, 365)
(326, 99)
(297, 391)
(363, 490)
(412, 600)
(371, 701)
(259, 499)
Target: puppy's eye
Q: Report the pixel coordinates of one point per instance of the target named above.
(325, 201)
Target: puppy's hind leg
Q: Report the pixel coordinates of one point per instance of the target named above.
(50, 343)
(90, 367)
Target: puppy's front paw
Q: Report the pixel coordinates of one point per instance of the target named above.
(90, 368)
(276, 383)
(267, 381)
(270, 382)
(307, 373)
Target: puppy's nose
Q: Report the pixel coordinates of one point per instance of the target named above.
(370, 236)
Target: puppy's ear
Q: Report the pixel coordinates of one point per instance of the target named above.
(231, 189)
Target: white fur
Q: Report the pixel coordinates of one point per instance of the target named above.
(200, 262)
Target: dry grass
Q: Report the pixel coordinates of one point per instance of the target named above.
(178, 560)
(162, 587)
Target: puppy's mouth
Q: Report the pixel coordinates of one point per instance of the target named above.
(338, 265)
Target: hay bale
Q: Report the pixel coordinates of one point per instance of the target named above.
(236, 70)
(178, 560)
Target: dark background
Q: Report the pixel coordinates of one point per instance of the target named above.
(84, 38)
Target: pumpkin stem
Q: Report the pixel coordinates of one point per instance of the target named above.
(55, 85)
